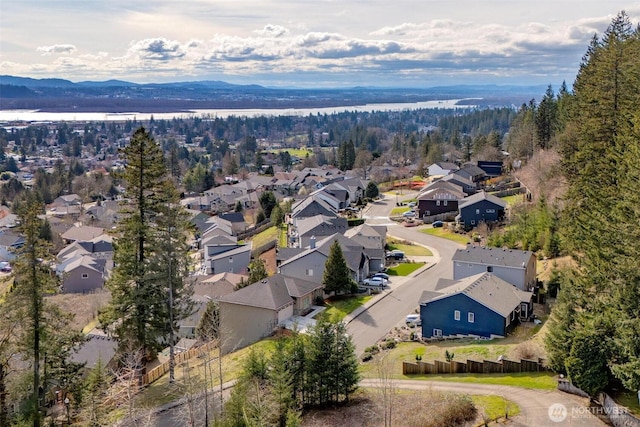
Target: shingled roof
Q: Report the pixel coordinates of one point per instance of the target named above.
(493, 256)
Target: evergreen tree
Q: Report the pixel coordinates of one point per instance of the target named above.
(257, 271)
(268, 202)
(138, 313)
(281, 382)
(372, 190)
(337, 276)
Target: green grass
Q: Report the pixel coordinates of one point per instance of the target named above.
(282, 237)
(630, 400)
(339, 307)
(446, 234)
(404, 269)
(495, 407)
(399, 210)
(408, 248)
(513, 200)
(268, 235)
(534, 380)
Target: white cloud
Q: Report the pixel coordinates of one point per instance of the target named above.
(56, 49)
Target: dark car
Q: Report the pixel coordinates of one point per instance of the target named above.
(437, 224)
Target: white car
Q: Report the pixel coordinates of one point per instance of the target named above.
(375, 281)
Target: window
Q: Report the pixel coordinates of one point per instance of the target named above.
(471, 317)
(473, 221)
(491, 211)
(456, 314)
(437, 202)
(309, 272)
(489, 269)
(437, 332)
(477, 211)
(427, 213)
(85, 276)
(444, 203)
(230, 259)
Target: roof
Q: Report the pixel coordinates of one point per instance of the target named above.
(97, 347)
(321, 225)
(446, 165)
(83, 233)
(467, 201)
(351, 250)
(458, 179)
(473, 170)
(84, 261)
(231, 252)
(215, 286)
(493, 256)
(269, 294)
(487, 290)
(437, 193)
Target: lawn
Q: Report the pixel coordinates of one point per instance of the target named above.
(513, 200)
(404, 269)
(630, 400)
(268, 235)
(339, 307)
(399, 210)
(534, 380)
(446, 234)
(409, 248)
(282, 237)
(495, 407)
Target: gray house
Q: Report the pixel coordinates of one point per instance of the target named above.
(255, 311)
(511, 265)
(319, 226)
(83, 274)
(373, 239)
(309, 264)
(312, 206)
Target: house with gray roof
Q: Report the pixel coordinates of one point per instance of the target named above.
(255, 311)
(312, 206)
(309, 263)
(83, 274)
(482, 305)
(478, 208)
(442, 168)
(10, 242)
(468, 187)
(373, 239)
(319, 226)
(511, 265)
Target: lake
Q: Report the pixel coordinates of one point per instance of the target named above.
(43, 116)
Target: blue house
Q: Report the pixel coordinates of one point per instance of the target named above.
(481, 305)
(481, 207)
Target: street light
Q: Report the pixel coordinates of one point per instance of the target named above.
(397, 193)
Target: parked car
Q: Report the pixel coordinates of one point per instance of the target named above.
(5, 267)
(385, 276)
(375, 281)
(413, 319)
(412, 204)
(395, 254)
(409, 214)
(437, 224)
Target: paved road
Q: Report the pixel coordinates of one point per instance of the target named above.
(534, 404)
(371, 325)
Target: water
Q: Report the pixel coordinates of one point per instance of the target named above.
(43, 116)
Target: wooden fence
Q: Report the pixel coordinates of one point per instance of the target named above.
(157, 372)
(472, 366)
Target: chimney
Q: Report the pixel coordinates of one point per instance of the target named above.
(312, 242)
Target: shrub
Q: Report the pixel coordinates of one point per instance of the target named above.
(389, 344)
(366, 356)
(374, 349)
(528, 350)
(448, 356)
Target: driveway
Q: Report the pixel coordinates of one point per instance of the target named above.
(566, 409)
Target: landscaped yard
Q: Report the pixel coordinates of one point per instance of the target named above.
(404, 269)
(399, 210)
(513, 200)
(268, 235)
(409, 248)
(535, 380)
(495, 407)
(338, 307)
(446, 234)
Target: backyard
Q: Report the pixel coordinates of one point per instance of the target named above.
(409, 248)
(445, 233)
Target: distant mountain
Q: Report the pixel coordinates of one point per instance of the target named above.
(122, 96)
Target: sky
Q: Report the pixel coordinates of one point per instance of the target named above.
(304, 43)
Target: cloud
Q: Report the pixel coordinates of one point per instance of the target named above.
(56, 49)
(158, 49)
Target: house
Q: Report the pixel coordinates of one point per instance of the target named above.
(10, 243)
(309, 263)
(83, 274)
(373, 239)
(472, 172)
(480, 305)
(511, 265)
(439, 199)
(7, 219)
(255, 311)
(236, 220)
(492, 169)
(441, 168)
(468, 187)
(312, 206)
(83, 233)
(207, 288)
(480, 207)
(318, 226)
(223, 253)
(97, 346)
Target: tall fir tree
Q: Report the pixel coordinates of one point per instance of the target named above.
(337, 276)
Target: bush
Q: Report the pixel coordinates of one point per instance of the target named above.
(374, 349)
(366, 356)
(389, 344)
(319, 301)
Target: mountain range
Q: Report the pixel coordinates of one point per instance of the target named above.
(53, 94)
